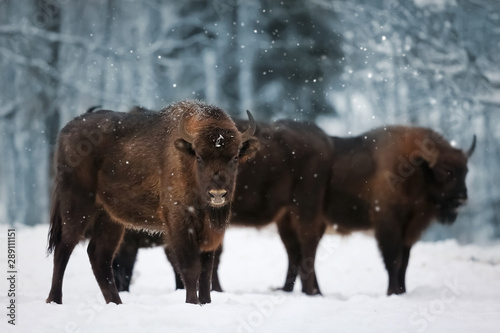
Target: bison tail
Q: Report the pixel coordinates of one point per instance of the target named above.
(55, 228)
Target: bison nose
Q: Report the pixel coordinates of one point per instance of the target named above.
(462, 197)
(217, 197)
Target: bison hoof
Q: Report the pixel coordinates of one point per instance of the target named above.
(205, 300)
(216, 286)
(117, 302)
(285, 289)
(193, 301)
(52, 299)
(396, 291)
(312, 292)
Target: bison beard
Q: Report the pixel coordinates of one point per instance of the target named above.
(219, 216)
(447, 213)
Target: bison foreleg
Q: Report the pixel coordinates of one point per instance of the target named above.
(105, 240)
(207, 263)
(391, 246)
(186, 255)
(215, 275)
(402, 269)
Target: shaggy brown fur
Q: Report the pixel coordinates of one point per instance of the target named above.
(171, 172)
(395, 180)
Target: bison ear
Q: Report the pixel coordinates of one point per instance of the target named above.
(249, 149)
(184, 146)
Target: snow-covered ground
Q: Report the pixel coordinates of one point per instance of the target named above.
(451, 288)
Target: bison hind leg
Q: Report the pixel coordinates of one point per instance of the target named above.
(307, 270)
(292, 245)
(106, 238)
(62, 253)
(71, 219)
(304, 234)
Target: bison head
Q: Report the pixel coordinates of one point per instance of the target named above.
(447, 169)
(215, 147)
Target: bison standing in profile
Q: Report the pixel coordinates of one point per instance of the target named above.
(171, 172)
(395, 180)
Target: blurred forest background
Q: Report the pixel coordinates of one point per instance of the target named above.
(350, 65)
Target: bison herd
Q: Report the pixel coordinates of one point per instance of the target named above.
(178, 177)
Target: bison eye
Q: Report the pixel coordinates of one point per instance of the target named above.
(235, 159)
(190, 148)
(443, 175)
(198, 159)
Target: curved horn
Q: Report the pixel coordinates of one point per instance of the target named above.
(245, 136)
(182, 130)
(472, 147)
(93, 108)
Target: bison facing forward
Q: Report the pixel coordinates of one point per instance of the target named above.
(171, 172)
(395, 180)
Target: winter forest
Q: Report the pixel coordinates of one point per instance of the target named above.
(348, 65)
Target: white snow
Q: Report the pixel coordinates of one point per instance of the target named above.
(451, 288)
(218, 141)
(441, 4)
